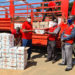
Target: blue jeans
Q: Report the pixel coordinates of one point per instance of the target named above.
(28, 43)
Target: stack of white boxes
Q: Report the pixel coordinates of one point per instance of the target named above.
(11, 57)
(21, 58)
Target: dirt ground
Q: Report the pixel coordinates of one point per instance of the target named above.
(38, 66)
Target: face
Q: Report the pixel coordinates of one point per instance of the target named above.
(17, 30)
(29, 19)
(69, 21)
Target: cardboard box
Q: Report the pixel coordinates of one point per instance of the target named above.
(5, 50)
(21, 66)
(5, 54)
(0, 45)
(22, 58)
(13, 55)
(12, 64)
(13, 68)
(44, 25)
(5, 59)
(13, 50)
(0, 53)
(5, 65)
(17, 25)
(1, 66)
(38, 31)
(12, 59)
(36, 25)
(0, 36)
(21, 50)
(1, 60)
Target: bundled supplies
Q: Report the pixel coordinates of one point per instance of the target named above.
(38, 31)
(11, 57)
(7, 40)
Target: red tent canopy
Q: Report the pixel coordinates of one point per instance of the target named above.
(73, 9)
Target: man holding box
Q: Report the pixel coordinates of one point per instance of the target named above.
(27, 35)
(53, 31)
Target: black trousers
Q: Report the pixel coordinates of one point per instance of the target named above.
(51, 50)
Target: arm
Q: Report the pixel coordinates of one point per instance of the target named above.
(71, 36)
(24, 30)
(56, 31)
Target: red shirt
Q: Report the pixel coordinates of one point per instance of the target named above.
(52, 37)
(52, 4)
(16, 35)
(28, 26)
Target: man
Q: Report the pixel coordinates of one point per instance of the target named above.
(67, 46)
(52, 7)
(17, 35)
(53, 31)
(27, 35)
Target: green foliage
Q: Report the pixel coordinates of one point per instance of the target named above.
(70, 6)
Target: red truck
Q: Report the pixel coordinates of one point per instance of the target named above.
(15, 14)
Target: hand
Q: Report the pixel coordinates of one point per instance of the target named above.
(62, 40)
(33, 31)
(46, 32)
(23, 30)
(62, 43)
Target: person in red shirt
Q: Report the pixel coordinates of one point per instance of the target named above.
(52, 7)
(17, 35)
(27, 35)
(53, 31)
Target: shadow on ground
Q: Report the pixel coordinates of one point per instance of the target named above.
(31, 63)
(42, 51)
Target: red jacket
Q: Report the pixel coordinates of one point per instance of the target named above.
(67, 32)
(62, 26)
(52, 37)
(28, 26)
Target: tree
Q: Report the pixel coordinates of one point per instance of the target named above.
(70, 6)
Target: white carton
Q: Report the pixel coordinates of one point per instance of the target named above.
(0, 45)
(22, 58)
(1, 65)
(12, 64)
(21, 66)
(5, 55)
(14, 68)
(13, 55)
(0, 53)
(5, 59)
(17, 25)
(38, 31)
(5, 65)
(13, 50)
(12, 59)
(0, 36)
(5, 50)
(1, 60)
(21, 50)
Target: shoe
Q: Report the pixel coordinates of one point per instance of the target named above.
(47, 60)
(62, 64)
(68, 69)
(53, 61)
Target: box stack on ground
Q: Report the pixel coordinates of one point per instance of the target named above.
(11, 57)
